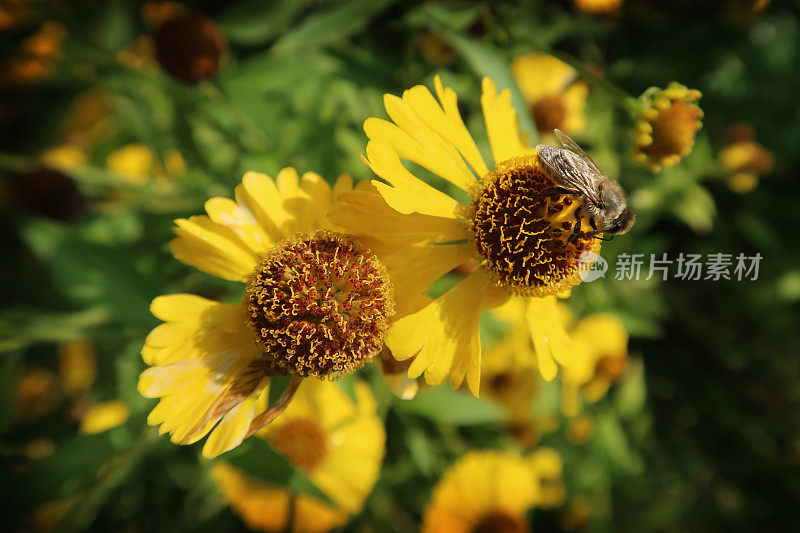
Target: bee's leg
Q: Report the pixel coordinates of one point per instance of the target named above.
(576, 229)
(593, 223)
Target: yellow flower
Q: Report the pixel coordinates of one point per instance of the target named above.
(316, 302)
(597, 7)
(547, 467)
(39, 448)
(64, 158)
(666, 125)
(38, 56)
(745, 159)
(104, 416)
(337, 442)
(601, 347)
(88, 120)
(555, 96)
(138, 163)
(580, 430)
(78, 365)
(520, 236)
(483, 491)
(37, 392)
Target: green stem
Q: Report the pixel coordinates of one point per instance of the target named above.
(622, 98)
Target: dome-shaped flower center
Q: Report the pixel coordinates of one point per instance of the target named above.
(549, 113)
(500, 521)
(612, 367)
(320, 304)
(301, 440)
(674, 130)
(522, 235)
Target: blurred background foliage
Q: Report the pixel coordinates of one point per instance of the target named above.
(102, 149)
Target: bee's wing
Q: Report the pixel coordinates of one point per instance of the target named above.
(570, 173)
(572, 146)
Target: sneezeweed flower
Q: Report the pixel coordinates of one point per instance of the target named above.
(483, 491)
(518, 234)
(744, 159)
(65, 158)
(189, 47)
(39, 448)
(556, 96)
(337, 442)
(597, 7)
(104, 416)
(666, 125)
(36, 393)
(89, 120)
(601, 346)
(37, 56)
(137, 163)
(547, 467)
(77, 363)
(580, 429)
(316, 303)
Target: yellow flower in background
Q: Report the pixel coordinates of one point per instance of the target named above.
(597, 7)
(66, 157)
(88, 120)
(745, 159)
(519, 235)
(547, 467)
(337, 442)
(36, 392)
(77, 362)
(37, 56)
(555, 95)
(316, 302)
(138, 163)
(104, 416)
(601, 347)
(483, 491)
(666, 126)
(12, 12)
(580, 429)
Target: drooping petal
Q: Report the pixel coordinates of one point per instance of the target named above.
(407, 193)
(212, 248)
(550, 339)
(444, 335)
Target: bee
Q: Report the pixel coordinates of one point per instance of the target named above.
(603, 200)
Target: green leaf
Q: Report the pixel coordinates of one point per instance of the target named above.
(632, 391)
(331, 24)
(256, 458)
(455, 407)
(490, 62)
(256, 22)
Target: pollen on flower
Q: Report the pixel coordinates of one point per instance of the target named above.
(320, 305)
(302, 440)
(522, 236)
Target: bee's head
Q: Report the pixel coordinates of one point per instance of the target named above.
(622, 223)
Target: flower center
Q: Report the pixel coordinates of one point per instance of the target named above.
(522, 236)
(500, 521)
(549, 113)
(612, 366)
(320, 304)
(674, 130)
(301, 440)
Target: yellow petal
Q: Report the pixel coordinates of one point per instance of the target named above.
(212, 248)
(365, 212)
(444, 335)
(174, 307)
(413, 269)
(540, 75)
(454, 130)
(234, 426)
(548, 335)
(502, 125)
(408, 194)
(241, 220)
